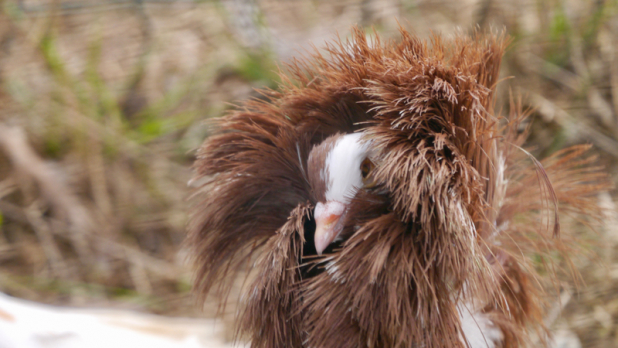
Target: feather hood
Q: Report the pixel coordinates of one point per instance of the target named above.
(456, 212)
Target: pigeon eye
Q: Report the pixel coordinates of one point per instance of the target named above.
(366, 167)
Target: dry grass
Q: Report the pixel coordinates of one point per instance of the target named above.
(102, 104)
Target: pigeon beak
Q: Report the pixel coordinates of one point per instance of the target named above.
(329, 223)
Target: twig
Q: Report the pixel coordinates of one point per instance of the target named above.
(15, 144)
(117, 250)
(551, 111)
(600, 107)
(78, 7)
(159, 267)
(7, 187)
(13, 212)
(46, 238)
(556, 310)
(610, 233)
(96, 172)
(138, 274)
(552, 315)
(552, 71)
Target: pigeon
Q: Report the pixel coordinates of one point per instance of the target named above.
(377, 198)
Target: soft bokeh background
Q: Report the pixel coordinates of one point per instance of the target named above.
(103, 103)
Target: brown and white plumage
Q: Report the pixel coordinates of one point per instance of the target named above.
(429, 247)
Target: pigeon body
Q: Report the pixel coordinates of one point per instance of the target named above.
(380, 201)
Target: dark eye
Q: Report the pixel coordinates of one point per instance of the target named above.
(366, 167)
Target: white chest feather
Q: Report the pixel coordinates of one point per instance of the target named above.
(478, 330)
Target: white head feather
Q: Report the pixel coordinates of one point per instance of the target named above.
(343, 166)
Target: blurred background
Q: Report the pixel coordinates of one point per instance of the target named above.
(103, 103)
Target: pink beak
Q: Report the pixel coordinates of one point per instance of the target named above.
(328, 223)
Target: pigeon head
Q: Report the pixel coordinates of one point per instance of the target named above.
(337, 168)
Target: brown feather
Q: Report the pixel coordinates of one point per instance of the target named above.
(456, 215)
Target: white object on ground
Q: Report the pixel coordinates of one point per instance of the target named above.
(26, 324)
